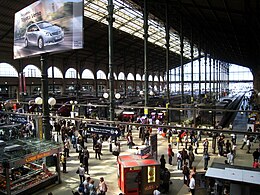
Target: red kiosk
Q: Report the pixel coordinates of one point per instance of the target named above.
(138, 175)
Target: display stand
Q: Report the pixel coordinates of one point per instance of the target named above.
(24, 171)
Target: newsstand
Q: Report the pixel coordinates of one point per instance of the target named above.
(138, 175)
(22, 165)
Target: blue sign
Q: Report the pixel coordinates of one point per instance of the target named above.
(106, 130)
(16, 118)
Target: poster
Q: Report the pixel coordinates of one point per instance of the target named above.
(48, 26)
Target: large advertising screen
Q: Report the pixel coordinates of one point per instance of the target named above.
(48, 26)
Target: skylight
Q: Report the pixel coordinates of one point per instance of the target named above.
(130, 20)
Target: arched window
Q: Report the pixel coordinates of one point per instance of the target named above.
(8, 70)
(32, 71)
(130, 77)
(138, 77)
(87, 74)
(156, 78)
(161, 79)
(121, 76)
(71, 73)
(150, 78)
(115, 77)
(101, 75)
(57, 72)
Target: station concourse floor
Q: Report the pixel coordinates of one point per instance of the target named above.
(107, 166)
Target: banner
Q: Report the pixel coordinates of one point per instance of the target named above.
(48, 26)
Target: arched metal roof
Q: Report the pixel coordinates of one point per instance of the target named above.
(227, 30)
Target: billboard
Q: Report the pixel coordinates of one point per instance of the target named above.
(48, 26)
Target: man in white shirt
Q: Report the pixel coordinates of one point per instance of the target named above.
(192, 184)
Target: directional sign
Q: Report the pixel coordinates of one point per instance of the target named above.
(18, 118)
(106, 130)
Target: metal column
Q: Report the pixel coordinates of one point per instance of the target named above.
(205, 64)
(110, 20)
(214, 78)
(45, 97)
(167, 37)
(199, 73)
(182, 67)
(210, 66)
(145, 54)
(192, 66)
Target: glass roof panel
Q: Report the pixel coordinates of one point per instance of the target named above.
(130, 20)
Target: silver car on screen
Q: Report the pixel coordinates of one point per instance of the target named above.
(43, 33)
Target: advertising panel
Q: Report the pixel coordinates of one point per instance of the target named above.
(48, 26)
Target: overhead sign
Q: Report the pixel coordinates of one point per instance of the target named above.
(16, 118)
(48, 26)
(106, 130)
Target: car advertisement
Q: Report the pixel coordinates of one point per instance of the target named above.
(48, 26)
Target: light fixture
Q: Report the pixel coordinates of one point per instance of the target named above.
(105, 95)
(151, 93)
(52, 101)
(38, 100)
(117, 96)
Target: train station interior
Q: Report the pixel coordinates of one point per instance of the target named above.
(135, 78)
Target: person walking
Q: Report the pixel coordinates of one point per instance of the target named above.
(196, 144)
(102, 186)
(163, 162)
(179, 160)
(85, 159)
(230, 158)
(81, 172)
(192, 184)
(248, 145)
(86, 184)
(92, 188)
(206, 160)
(244, 141)
(205, 145)
(170, 154)
(186, 173)
(66, 146)
(191, 158)
(97, 149)
(130, 141)
(63, 161)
